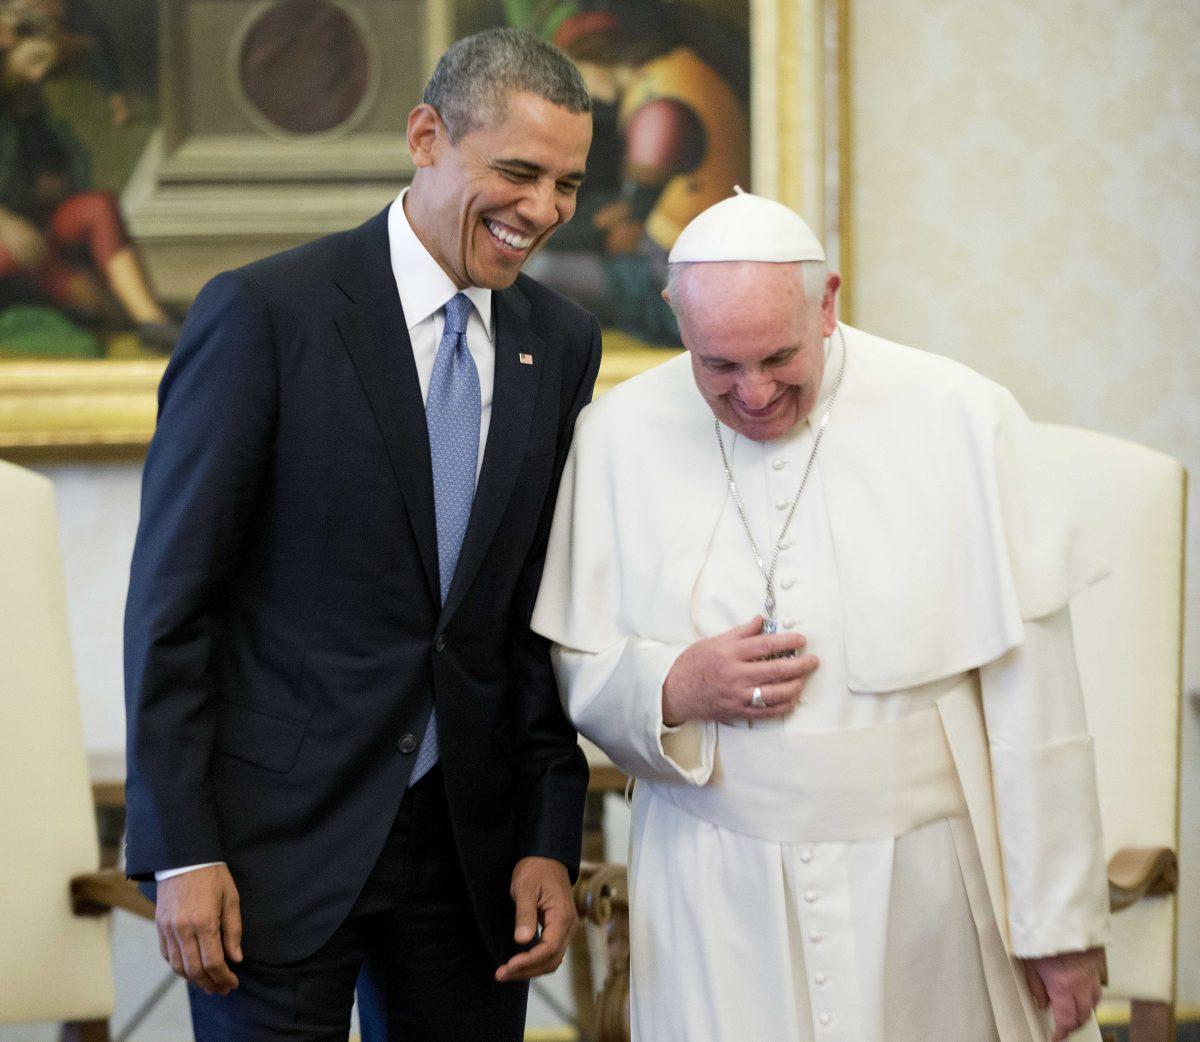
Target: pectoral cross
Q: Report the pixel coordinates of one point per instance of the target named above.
(771, 625)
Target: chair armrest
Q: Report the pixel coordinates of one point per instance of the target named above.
(1137, 872)
(601, 890)
(97, 893)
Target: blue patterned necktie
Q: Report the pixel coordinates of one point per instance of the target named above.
(452, 411)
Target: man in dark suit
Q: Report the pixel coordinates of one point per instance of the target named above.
(342, 734)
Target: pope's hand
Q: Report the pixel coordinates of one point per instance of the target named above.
(714, 679)
(200, 927)
(1068, 983)
(541, 891)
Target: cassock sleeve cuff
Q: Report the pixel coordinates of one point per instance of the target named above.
(614, 697)
(689, 749)
(1053, 849)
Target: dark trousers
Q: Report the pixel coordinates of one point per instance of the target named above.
(427, 976)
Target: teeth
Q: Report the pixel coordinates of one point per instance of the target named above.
(517, 242)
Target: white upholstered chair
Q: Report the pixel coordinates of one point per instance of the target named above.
(54, 963)
(1128, 637)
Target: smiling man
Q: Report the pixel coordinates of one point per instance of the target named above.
(812, 590)
(345, 745)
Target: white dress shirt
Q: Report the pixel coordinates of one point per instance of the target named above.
(424, 289)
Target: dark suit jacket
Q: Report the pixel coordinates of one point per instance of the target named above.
(284, 640)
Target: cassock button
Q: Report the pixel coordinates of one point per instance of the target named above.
(782, 504)
(822, 978)
(440, 643)
(805, 855)
(407, 744)
(787, 584)
(812, 896)
(816, 937)
(789, 624)
(779, 464)
(825, 1020)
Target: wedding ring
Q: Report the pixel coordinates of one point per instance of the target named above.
(756, 699)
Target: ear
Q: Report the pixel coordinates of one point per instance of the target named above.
(426, 132)
(829, 304)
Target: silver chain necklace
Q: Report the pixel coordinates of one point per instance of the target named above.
(770, 623)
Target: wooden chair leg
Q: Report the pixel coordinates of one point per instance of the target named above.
(85, 1031)
(110, 828)
(612, 1007)
(1151, 1022)
(583, 974)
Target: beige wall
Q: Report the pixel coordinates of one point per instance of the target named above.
(1026, 199)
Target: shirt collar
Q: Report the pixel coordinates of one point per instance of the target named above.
(425, 287)
(835, 351)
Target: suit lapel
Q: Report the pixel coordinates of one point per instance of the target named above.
(375, 334)
(514, 395)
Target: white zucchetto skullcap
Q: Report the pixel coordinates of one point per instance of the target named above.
(747, 227)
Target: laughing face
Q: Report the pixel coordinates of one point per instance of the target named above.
(483, 204)
(756, 341)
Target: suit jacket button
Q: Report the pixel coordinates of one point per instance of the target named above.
(407, 744)
(440, 643)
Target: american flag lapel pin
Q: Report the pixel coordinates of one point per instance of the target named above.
(525, 359)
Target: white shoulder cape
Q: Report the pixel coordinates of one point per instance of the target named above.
(948, 527)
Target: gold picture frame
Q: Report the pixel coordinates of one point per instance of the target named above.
(59, 410)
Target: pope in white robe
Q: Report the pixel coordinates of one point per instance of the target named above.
(888, 833)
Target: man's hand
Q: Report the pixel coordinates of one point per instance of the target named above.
(200, 926)
(542, 892)
(715, 678)
(1069, 983)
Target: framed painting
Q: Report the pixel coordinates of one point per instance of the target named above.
(146, 145)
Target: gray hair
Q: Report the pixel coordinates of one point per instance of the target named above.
(475, 76)
(812, 272)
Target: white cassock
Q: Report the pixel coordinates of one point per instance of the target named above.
(868, 868)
